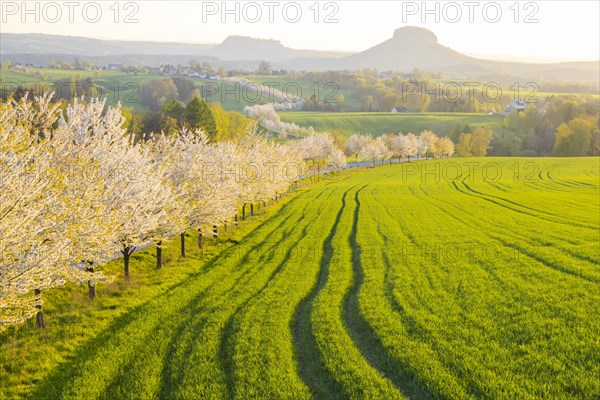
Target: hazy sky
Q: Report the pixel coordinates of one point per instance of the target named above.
(565, 30)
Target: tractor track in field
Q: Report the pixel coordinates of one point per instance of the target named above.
(128, 319)
(552, 265)
(226, 347)
(412, 326)
(73, 368)
(490, 269)
(473, 193)
(476, 226)
(316, 376)
(428, 199)
(542, 260)
(363, 336)
(513, 202)
(578, 184)
(389, 270)
(173, 371)
(232, 292)
(199, 318)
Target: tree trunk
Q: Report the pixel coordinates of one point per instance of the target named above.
(91, 286)
(39, 316)
(200, 239)
(252, 209)
(159, 254)
(126, 254)
(244, 212)
(235, 219)
(264, 204)
(182, 236)
(215, 232)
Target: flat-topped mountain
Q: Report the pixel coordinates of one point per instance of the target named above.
(409, 48)
(246, 48)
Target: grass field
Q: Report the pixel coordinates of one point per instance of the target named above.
(303, 88)
(117, 85)
(382, 123)
(124, 87)
(453, 279)
(114, 85)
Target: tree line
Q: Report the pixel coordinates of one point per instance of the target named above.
(75, 187)
(563, 126)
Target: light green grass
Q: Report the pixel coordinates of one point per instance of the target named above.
(443, 279)
(27, 355)
(382, 123)
(120, 86)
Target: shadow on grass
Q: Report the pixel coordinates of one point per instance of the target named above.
(311, 367)
(182, 346)
(367, 341)
(56, 383)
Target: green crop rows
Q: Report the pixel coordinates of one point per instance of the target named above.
(452, 279)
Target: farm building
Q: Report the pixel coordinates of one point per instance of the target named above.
(515, 105)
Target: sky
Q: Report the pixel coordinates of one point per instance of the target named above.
(525, 30)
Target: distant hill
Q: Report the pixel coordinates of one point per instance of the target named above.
(37, 43)
(153, 60)
(236, 48)
(412, 47)
(407, 49)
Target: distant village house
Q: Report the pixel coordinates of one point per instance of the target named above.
(515, 105)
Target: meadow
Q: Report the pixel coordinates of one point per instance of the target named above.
(305, 89)
(440, 279)
(376, 123)
(124, 87)
(115, 86)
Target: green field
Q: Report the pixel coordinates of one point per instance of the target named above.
(124, 87)
(453, 279)
(322, 92)
(383, 123)
(114, 85)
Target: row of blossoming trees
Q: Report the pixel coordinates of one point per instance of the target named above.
(75, 187)
(409, 145)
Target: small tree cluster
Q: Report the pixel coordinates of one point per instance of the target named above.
(367, 148)
(320, 146)
(474, 144)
